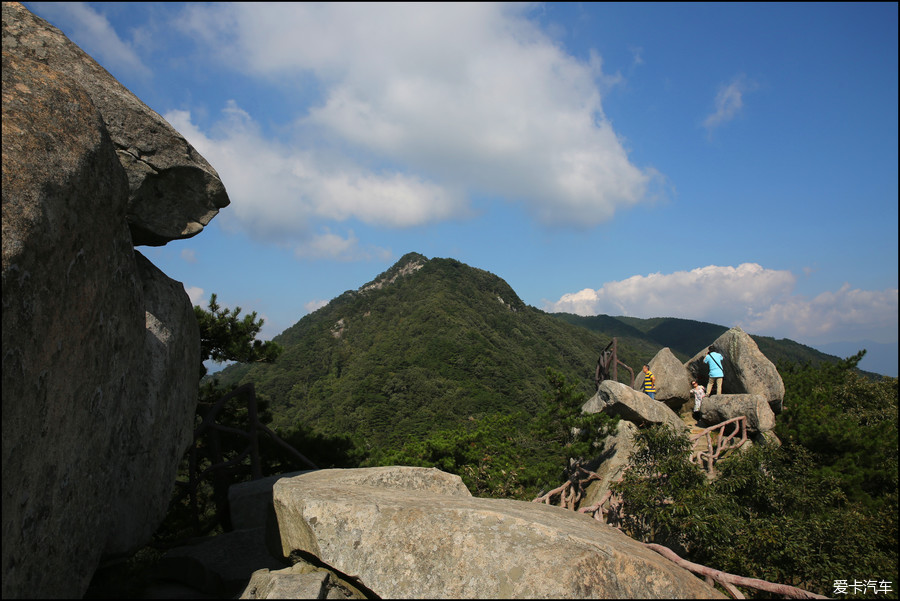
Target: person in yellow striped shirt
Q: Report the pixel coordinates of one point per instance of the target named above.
(648, 387)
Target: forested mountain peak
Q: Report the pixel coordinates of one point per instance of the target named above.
(423, 346)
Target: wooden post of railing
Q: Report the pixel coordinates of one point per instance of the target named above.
(723, 444)
(608, 364)
(615, 359)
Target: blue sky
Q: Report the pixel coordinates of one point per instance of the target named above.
(730, 163)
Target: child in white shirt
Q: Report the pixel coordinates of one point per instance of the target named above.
(698, 393)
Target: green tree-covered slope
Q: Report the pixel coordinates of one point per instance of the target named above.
(421, 348)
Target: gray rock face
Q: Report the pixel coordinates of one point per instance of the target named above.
(747, 370)
(101, 349)
(673, 382)
(722, 407)
(299, 581)
(615, 398)
(403, 541)
(173, 191)
(611, 461)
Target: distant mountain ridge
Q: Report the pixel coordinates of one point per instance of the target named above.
(432, 342)
(686, 337)
(881, 357)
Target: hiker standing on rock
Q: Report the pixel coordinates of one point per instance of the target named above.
(716, 373)
(648, 387)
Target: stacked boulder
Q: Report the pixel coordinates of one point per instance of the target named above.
(752, 388)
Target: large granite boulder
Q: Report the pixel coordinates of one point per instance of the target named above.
(615, 398)
(173, 192)
(673, 382)
(723, 407)
(402, 537)
(101, 349)
(747, 370)
(610, 463)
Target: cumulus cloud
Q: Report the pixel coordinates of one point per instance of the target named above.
(846, 314)
(473, 93)
(762, 301)
(333, 246)
(729, 102)
(283, 194)
(93, 32)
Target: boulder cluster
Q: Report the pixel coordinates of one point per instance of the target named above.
(751, 387)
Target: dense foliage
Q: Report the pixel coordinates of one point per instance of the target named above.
(225, 337)
(848, 423)
(819, 508)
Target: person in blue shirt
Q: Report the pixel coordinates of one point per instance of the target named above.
(716, 374)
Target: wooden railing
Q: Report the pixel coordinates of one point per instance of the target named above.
(608, 365)
(218, 470)
(718, 442)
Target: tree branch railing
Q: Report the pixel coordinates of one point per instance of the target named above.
(573, 490)
(217, 470)
(722, 444)
(730, 582)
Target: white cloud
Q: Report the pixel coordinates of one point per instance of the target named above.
(280, 193)
(762, 301)
(847, 314)
(470, 93)
(729, 102)
(93, 33)
(328, 245)
(196, 296)
(188, 255)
